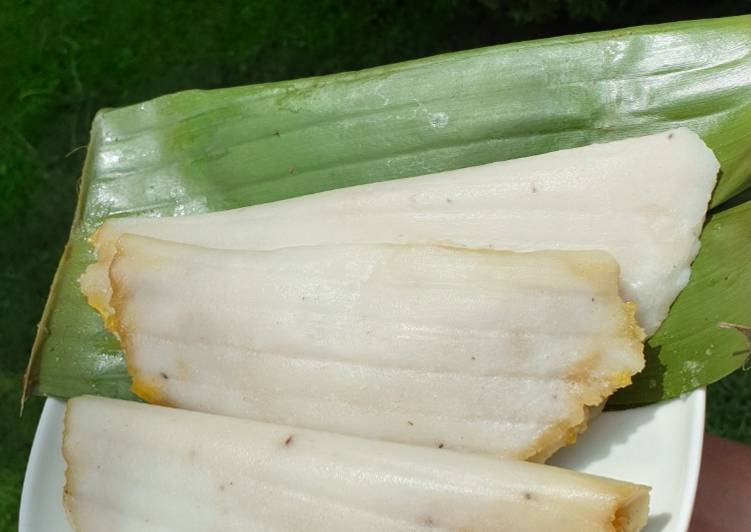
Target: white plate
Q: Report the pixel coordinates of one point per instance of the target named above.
(657, 445)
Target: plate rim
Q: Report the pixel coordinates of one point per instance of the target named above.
(695, 454)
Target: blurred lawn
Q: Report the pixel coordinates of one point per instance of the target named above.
(61, 61)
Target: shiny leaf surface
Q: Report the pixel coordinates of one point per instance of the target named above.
(204, 151)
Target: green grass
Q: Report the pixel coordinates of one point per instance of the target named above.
(61, 61)
(729, 407)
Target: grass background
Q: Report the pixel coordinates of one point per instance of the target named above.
(61, 61)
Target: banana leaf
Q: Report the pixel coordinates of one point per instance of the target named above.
(200, 151)
(694, 346)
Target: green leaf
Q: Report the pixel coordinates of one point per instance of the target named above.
(202, 151)
(695, 345)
